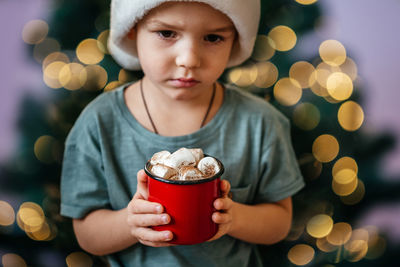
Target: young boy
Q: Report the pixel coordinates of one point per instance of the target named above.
(182, 47)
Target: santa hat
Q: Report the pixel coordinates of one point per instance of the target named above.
(245, 15)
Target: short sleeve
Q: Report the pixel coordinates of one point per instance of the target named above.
(280, 173)
(83, 185)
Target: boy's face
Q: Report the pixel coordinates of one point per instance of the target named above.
(184, 47)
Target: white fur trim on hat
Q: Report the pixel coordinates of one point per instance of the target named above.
(245, 15)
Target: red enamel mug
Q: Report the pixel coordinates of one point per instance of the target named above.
(189, 204)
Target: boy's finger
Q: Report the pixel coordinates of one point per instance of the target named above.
(146, 220)
(221, 218)
(223, 203)
(225, 187)
(150, 235)
(142, 206)
(142, 183)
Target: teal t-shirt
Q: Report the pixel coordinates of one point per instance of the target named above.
(107, 146)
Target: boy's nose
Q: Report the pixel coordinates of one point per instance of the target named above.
(188, 56)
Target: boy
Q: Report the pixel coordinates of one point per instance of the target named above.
(182, 47)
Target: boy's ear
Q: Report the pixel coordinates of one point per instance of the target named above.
(132, 34)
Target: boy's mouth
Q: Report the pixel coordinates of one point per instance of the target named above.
(184, 82)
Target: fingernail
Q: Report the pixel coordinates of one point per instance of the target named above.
(167, 236)
(164, 218)
(158, 209)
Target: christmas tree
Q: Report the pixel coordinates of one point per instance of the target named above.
(321, 96)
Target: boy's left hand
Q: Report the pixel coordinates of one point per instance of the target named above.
(223, 215)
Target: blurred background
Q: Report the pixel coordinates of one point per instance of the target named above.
(330, 66)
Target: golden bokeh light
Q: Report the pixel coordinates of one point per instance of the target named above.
(43, 233)
(340, 86)
(350, 116)
(93, 78)
(244, 76)
(263, 50)
(44, 48)
(7, 214)
(325, 148)
(306, 2)
(103, 41)
(35, 31)
(111, 86)
(72, 76)
(344, 189)
(340, 234)
(306, 116)
(356, 196)
(303, 72)
(301, 254)
(332, 52)
(319, 90)
(12, 260)
(287, 91)
(51, 74)
(88, 51)
(344, 163)
(356, 250)
(267, 74)
(31, 216)
(55, 57)
(282, 38)
(350, 68)
(79, 259)
(345, 176)
(319, 226)
(125, 76)
(324, 245)
(45, 148)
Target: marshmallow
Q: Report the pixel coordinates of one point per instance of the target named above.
(209, 166)
(159, 157)
(190, 173)
(163, 171)
(197, 153)
(181, 157)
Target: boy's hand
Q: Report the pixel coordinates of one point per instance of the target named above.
(142, 214)
(223, 217)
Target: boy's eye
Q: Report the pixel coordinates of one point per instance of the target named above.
(166, 34)
(213, 38)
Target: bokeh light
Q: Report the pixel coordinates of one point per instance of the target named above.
(287, 91)
(306, 2)
(350, 116)
(31, 216)
(319, 226)
(94, 77)
(332, 52)
(340, 86)
(111, 86)
(282, 38)
(79, 259)
(323, 245)
(350, 68)
(244, 76)
(301, 254)
(35, 31)
(345, 182)
(7, 214)
(340, 234)
(356, 196)
(51, 74)
(303, 72)
(88, 51)
(54, 57)
(12, 260)
(344, 163)
(306, 116)
(72, 76)
(325, 148)
(46, 149)
(103, 41)
(263, 50)
(267, 74)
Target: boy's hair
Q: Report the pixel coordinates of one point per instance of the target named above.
(244, 14)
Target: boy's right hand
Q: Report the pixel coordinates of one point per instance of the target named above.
(143, 214)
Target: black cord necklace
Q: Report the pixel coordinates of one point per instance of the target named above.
(151, 119)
